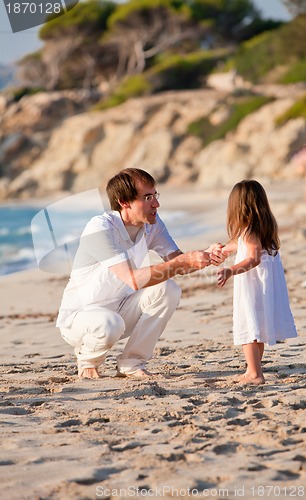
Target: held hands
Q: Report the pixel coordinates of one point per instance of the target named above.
(198, 259)
(216, 255)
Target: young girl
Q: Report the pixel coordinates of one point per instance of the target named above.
(261, 306)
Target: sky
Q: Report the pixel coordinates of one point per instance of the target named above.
(14, 46)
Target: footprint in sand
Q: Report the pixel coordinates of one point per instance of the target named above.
(16, 410)
(223, 449)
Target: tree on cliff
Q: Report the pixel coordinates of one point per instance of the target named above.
(81, 49)
(71, 50)
(99, 42)
(228, 18)
(142, 29)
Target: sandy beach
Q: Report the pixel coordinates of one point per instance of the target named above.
(191, 431)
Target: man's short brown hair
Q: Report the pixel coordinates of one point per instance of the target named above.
(122, 187)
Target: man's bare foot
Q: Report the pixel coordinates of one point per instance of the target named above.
(140, 374)
(89, 373)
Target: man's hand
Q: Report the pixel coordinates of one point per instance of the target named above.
(195, 260)
(223, 275)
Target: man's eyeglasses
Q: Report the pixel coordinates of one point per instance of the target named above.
(149, 197)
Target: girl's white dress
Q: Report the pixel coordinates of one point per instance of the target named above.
(261, 304)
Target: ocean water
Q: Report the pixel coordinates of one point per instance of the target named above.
(16, 247)
(30, 233)
(23, 241)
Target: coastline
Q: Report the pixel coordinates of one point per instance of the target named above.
(190, 427)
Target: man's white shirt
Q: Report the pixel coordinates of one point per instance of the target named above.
(105, 242)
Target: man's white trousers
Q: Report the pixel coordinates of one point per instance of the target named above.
(142, 316)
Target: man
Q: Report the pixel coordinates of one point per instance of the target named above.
(112, 293)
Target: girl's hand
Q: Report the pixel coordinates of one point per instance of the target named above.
(223, 275)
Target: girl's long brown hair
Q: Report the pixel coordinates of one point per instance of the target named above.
(248, 211)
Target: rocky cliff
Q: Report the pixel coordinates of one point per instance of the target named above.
(51, 142)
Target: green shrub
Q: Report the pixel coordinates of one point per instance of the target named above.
(298, 110)
(91, 16)
(133, 86)
(258, 56)
(177, 72)
(296, 73)
(171, 72)
(143, 8)
(240, 109)
(20, 92)
(201, 128)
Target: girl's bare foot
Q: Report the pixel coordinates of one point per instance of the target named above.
(239, 378)
(253, 353)
(89, 373)
(252, 380)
